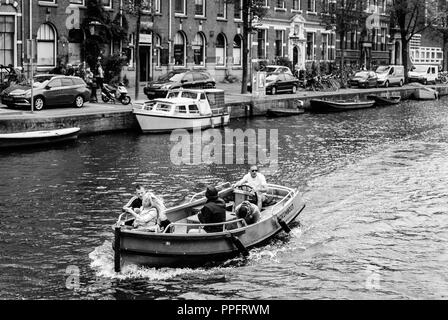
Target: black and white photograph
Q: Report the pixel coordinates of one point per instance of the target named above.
(237, 151)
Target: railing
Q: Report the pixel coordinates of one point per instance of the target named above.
(202, 225)
(282, 202)
(218, 111)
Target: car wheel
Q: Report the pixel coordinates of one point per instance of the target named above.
(386, 85)
(274, 90)
(105, 99)
(39, 103)
(401, 83)
(79, 102)
(294, 89)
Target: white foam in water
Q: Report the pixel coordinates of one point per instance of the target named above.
(103, 262)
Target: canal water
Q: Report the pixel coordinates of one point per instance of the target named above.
(375, 227)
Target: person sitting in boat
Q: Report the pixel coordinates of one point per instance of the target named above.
(257, 181)
(249, 212)
(135, 203)
(152, 215)
(214, 211)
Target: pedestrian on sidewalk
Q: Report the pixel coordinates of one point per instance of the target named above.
(89, 78)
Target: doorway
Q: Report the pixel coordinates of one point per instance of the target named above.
(145, 63)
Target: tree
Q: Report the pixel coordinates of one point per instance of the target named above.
(249, 9)
(106, 28)
(136, 8)
(413, 17)
(344, 16)
(440, 29)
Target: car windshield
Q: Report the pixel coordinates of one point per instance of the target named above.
(382, 69)
(171, 76)
(272, 78)
(39, 81)
(362, 74)
(270, 69)
(420, 68)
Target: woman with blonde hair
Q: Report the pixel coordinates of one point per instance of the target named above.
(152, 214)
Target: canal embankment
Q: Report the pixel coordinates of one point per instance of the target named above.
(100, 118)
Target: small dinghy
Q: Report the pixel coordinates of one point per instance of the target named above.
(318, 105)
(184, 243)
(37, 138)
(383, 101)
(278, 112)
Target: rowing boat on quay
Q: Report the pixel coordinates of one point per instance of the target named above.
(383, 101)
(184, 243)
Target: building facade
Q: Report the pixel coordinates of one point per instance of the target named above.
(193, 34)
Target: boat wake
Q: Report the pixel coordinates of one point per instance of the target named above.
(102, 261)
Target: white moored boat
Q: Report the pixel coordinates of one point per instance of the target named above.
(183, 109)
(37, 138)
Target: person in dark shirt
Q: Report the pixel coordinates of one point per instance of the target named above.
(134, 205)
(214, 211)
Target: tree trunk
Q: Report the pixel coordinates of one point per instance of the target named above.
(137, 54)
(405, 53)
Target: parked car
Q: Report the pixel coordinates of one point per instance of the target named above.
(364, 79)
(276, 69)
(390, 75)
(49, 90)
(196, 79)
(424, 74)
(280, 82)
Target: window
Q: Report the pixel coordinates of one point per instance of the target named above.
(238, 13)
(67, 82)
(310, 46)
(279, 40)
(181, 109)
(179, 7)
(237, 50)
(46, 46)
(199, 8)
(193, 109)
(7, 34)
(324, 53)
(261, 44)
(311, 7)
(296, 5)
(221, 50)
(179, 49)
(188, 77)
(198, 47)
(56, 83)
(163, 107)
(158, 49)
(221, 9)
(280, 4)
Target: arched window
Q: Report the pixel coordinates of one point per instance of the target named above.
(237, 50)
(221, 44)
(180, 45)
(46, 46)
(199, 49)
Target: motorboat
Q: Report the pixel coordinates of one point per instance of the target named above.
(37, 138)
(318, 105)
(282, 112)
(183, 109)
(185, 243)
(384, 100)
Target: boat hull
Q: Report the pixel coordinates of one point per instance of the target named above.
(191, 250)
(426, 94)
(384, 101)
(154, 123)
(284, 112)
(330, 106)
(38, 138)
